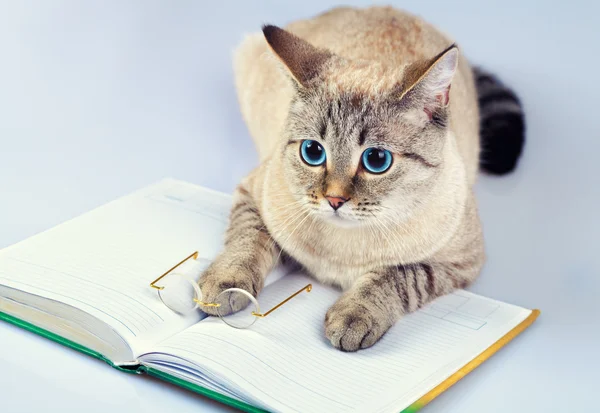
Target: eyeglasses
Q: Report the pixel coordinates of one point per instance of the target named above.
(182, 294)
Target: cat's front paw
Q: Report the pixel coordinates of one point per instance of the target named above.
(221, 276)
(351, 325)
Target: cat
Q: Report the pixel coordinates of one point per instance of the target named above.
(368, 125)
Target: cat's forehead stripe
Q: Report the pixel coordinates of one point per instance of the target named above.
(362, 136)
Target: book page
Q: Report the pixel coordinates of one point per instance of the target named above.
(284, 362)
(103, 262)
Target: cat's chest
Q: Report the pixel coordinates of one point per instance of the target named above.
(330, 272)
(335, 260)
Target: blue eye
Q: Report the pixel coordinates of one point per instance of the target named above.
(377, 160)
(312, 153)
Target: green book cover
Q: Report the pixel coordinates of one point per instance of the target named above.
(137, 369)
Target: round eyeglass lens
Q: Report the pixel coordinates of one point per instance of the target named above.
(236, 307)
(179, 292)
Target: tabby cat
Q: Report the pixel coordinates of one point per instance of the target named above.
(368, 124)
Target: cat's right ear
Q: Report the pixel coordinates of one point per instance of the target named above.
(430, 80)
(303, 61)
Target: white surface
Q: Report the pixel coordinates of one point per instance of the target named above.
(100, 98)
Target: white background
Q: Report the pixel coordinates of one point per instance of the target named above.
(100, 98)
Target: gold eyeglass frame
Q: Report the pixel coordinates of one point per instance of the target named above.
(194, 256)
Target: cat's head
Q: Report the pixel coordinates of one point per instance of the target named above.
(363, 141)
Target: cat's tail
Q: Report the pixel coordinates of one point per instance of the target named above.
(501, 125)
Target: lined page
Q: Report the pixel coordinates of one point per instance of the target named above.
(284, 362)
(102, 262)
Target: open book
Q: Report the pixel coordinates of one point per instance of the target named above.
(85, 283)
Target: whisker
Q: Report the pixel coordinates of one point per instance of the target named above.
(289, 221)
(392, 230)
(291, 234)
(286, 224)
(382, 228)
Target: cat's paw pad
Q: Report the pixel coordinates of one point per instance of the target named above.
(218, 278)
(351, 327)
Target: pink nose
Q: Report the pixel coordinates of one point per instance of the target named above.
(336, 201)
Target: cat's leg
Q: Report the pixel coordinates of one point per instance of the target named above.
(380, 298)
(248, 256)
(365, 312)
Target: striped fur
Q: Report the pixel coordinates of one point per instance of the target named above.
(379, 298)
(383, 297)
(248, 256)
(353, 79)
(502, 124)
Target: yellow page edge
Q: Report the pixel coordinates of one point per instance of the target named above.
(473, 364)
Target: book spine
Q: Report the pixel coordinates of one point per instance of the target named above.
(133, 368)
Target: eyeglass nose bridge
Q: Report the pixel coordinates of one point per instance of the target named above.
(203, 304)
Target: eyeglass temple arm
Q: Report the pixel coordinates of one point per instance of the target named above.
(153, 283)
(306, 288)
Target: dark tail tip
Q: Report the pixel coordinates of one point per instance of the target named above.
(502, 125)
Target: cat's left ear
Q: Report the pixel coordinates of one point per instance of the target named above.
(430, 80)
(303, 61)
